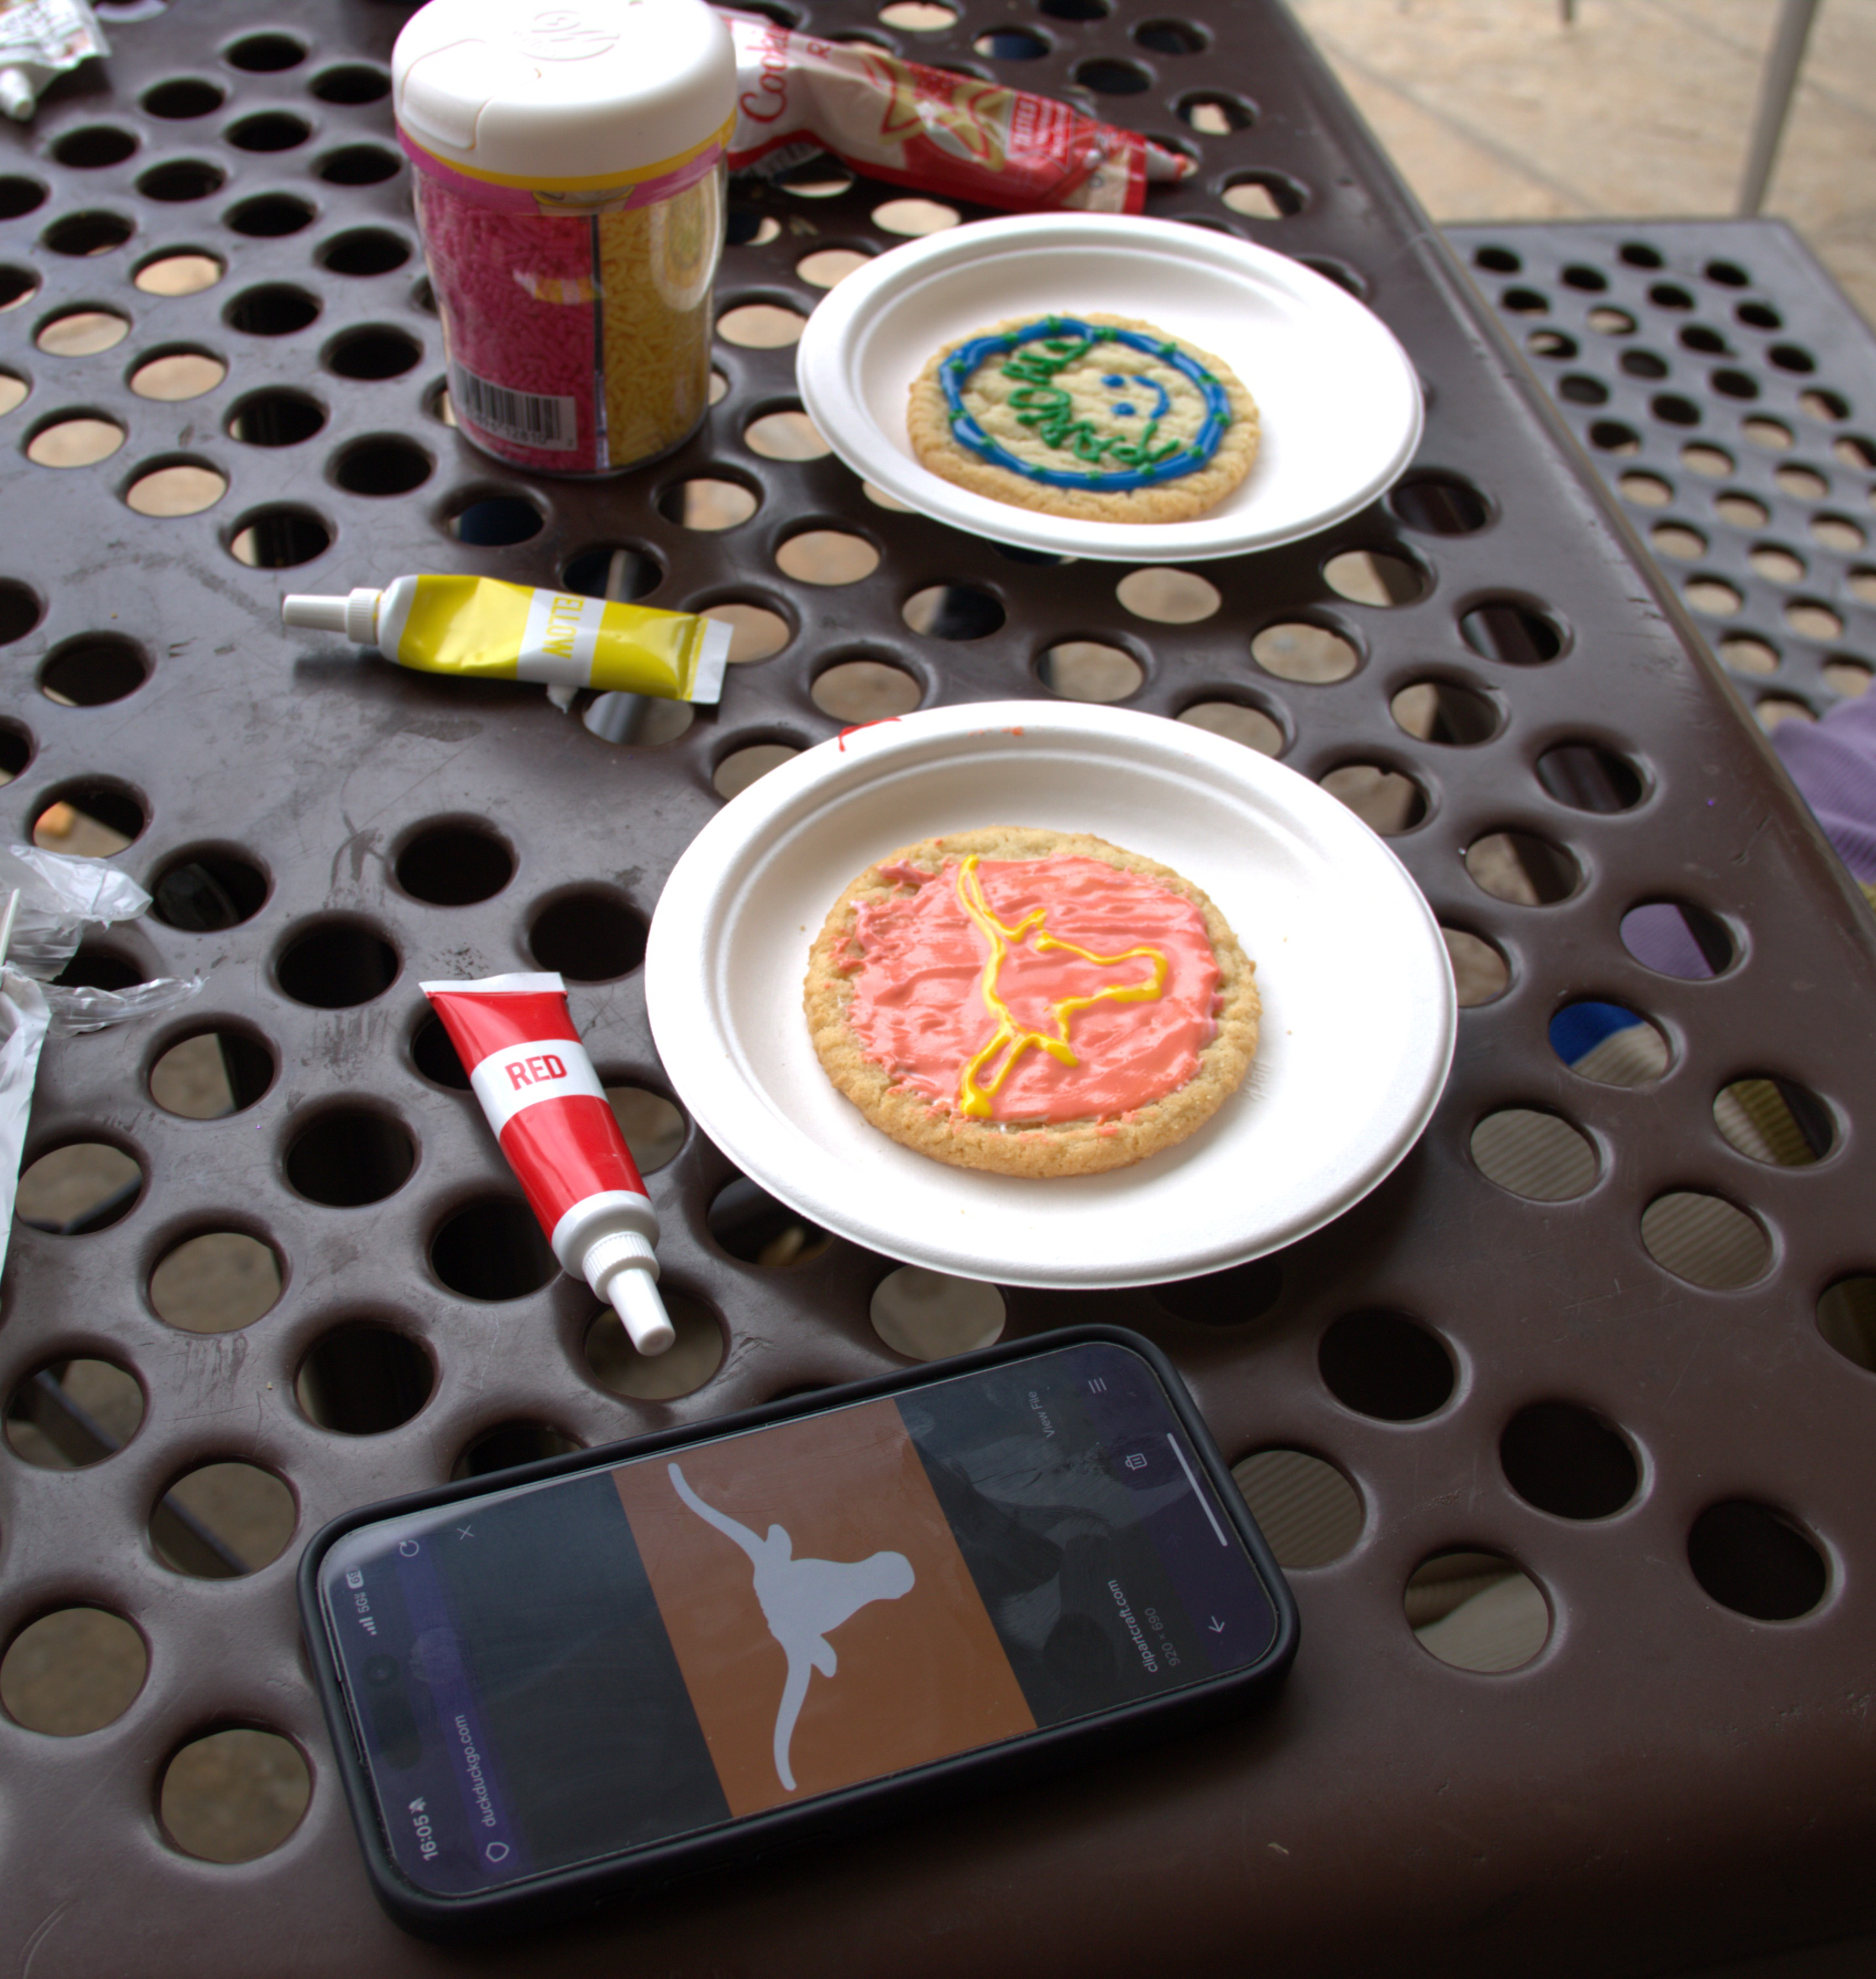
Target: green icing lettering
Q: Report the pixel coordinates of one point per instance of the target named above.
(1047, 410)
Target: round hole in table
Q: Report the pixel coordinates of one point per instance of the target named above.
(270, 216)
(363, 1376)
(175, 487)
(335, 965)
(1238, 721)
(1567, 1460)
(1446, 712)
(927, 1315)
(708, 503)
(1706, 1240)
(1773, 435)
(375, 351)
(692, 1359)
(78, 235)
(93, 670)
(172, 375)
(1087, 670)
(1773, 711)
(1711, 596)
(202, 889)
(454, 862)
(493, 518)
(786, 434)
(1265, 195)
(761, 325)
(1776, 1121)
(1212, 113)
(825, 556)
(861, 690)
(1440, 505)
(1811, 619)
(71, 1670)
(1851, 678)
(587, 934)
(13, 391)
(1378, 577)
(1838, 532)
(344, 1157)
(1386, 1365)
(382, 464)
(215, 1281)
(281, 536)
(271, 309)
(1746, 654)
(1305, 1507)
(1678, 540)
(95, 817)
(68, 1414)
(491, 1249)
(1513, 631)
(82, 332)
(222, 1520)
(1587, 777)
(21, 610)
(358, 165)
(1609, 1043)
(1477, 1611)
(435, 1057)
(209, 1074)
(1639, 363)
(233, 1795)
(1387, 800)
(1847, 1318)
(1757, 1561)
(1578, 389)
(79, 1188)
(1523, 869)
(1481, 975)
(504, 1446)
(181, 179)
(74, 439)
(1552, 343)
(750, 1225)
(1775, 563)
(756, 632)
(1234, 1297)
(655, 1129)
(827, 267)
(363, 251)
(740, 767)
(350, 83)
(1537, 1155)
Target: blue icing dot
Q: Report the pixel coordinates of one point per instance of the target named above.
(1114, 382)
(1122, 411)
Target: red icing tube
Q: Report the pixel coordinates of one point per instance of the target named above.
(540, 1094)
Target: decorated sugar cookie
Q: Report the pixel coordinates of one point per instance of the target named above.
(1101, 418)
(1032, 1002)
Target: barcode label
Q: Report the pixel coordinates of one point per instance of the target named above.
(528, 419)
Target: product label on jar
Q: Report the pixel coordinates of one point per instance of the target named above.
(526, 418)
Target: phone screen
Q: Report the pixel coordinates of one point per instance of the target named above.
(574, 1668)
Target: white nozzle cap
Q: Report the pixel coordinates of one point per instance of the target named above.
(356, 615)
(16, 96)
(622, 1267)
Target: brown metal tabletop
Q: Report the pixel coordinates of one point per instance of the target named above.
(1628, 1370)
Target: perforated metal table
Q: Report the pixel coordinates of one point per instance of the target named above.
(1669, 1781)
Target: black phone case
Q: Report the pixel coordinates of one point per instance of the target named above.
(567, 1892)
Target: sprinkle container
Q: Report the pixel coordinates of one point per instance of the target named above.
(569, 173)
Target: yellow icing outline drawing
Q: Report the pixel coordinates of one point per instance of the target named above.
(976, 1097)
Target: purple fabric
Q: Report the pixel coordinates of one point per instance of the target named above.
(1834, 763)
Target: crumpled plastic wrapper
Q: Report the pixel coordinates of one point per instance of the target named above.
(924, 128)
(59, 898)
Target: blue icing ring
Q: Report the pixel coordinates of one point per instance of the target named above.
(963, 364)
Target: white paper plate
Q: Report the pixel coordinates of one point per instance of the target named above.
(1358, 1011)
(1339, 404)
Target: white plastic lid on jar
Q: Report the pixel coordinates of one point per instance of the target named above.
(556, 94)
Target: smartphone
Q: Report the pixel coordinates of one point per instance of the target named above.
(619, 1666)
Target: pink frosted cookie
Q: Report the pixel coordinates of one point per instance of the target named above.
(1034, 1002)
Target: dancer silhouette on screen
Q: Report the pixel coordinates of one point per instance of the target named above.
(802, 1601)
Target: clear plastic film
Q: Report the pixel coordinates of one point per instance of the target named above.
(59, 898)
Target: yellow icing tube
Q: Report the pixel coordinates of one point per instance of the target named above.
(486, 630)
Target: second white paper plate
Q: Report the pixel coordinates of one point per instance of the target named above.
(1359, 1012)
(1338, 403)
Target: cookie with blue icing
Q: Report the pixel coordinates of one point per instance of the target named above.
(1102, 418)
